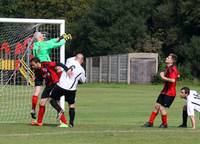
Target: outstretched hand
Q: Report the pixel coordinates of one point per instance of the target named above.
(67, 36)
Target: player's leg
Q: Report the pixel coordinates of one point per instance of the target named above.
(44, 99)
(152, 116)
(56, 93)
(41, 111)
(35, 100)
(163, 113)
(154, 113)
(71, 115)
(70, 98)
(166, 103)
(184, 117)
(192, 118)
(36, 93)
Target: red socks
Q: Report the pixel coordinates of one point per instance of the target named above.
(41, 114)
(152, 117)
(164, 119)
(34, 101)
(63, 119)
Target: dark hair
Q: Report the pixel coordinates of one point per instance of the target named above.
(174, 57)
(35, 59)
(186, 89)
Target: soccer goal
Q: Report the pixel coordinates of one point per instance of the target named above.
(16, 83)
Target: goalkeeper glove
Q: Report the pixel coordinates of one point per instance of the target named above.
(66, 36)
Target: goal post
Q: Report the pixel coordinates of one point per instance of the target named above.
(41, 21)
(16, 85)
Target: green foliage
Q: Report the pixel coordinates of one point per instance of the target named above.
(149, 44)
(175, 23)
(102, 27)
(156, 79)
(113, 27)
(185, 72)
(161, 67)
(190, 54)
(71, 10)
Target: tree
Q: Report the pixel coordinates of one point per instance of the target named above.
(112, 27)
(189, 54)
(70, 10)
(53, 9)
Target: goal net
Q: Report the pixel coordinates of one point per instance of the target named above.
(16, 84)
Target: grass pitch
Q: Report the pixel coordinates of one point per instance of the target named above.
(108, 114)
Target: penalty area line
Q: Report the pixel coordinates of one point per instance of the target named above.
(60, 133)
(66, 132)
(85, 132)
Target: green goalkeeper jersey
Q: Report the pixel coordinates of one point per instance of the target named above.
(42, 49)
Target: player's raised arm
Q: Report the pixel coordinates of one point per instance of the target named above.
(63, 66)
(57, 42)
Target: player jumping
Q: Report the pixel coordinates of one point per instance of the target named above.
(48, 72)
(41, 50)
(167, 95)
(67, 87)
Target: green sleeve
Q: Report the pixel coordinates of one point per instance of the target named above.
(34, 49)
(53, 43)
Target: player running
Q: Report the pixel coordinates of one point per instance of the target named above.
(167, 95)
(42, 50)
(47, 71)
(67, 87)
(192, 105)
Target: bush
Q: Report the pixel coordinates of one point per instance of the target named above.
(156, 79)
(190, 58)
(185, 72)
(161, 66)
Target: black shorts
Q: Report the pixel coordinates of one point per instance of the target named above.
(165, 100)
(46, 92)
(58, 92)
(38, 78)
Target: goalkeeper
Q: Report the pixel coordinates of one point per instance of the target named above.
(42, 50)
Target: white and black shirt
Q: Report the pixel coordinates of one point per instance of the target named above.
(193, 103)
(70, 83)
(70, 60)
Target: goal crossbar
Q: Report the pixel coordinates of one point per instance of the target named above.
(41, 21)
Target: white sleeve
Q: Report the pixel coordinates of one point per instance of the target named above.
(190, 108)
(83, 78)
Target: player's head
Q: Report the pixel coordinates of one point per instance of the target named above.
(185, 91)
(171, 59)
(80, 58)
(35, 63)
(38, 36)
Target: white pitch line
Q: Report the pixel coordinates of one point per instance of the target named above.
(60, 133)
(89, 132)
